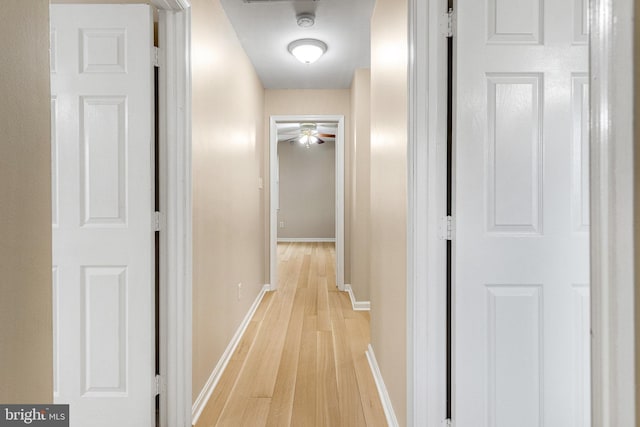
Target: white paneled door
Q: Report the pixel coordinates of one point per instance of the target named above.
(101, 82)
(521, 210)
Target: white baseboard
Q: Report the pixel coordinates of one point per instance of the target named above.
(205, 394)
(357, 305)
(382, 389)
(305, 239)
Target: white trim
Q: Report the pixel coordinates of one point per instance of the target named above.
(306, 240)
(426, 263)
(355, 304)
(176, 238)
(273, 193)
(273, 203)
(205, 394)
(389, 413)
(612, 232)
(174, 5)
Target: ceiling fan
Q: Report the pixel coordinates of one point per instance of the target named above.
(306, 133)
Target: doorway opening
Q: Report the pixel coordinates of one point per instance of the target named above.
(312, 141)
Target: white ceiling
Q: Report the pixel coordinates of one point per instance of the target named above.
(266, 27)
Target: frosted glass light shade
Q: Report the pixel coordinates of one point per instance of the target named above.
(307, 50)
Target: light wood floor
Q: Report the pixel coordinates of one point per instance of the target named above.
(302, 360)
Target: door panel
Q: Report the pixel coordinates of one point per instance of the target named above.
(102, 99)
(521, 215)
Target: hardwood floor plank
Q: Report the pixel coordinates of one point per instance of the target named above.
(331, 267)
(301, 361)
(370, 400)
(324, 322)
(347, 309)
(285, 250)
(304, 400)
(246, 341)
(233, 412)
(311, 304)
(264, 305)
(218, 400)
(327, 407)
(256, 412)
(278, 319)
(258, 375)
(348, 392)
(302, 274)
(283, 393)
(267, 356)
(220, 395)
(321, 259)
(308, 248)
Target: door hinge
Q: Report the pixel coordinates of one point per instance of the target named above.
(447, 24)
(155, 56)
(157, 384)
(157, 221)
(446, 228)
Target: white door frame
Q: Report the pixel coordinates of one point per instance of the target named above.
(426, 193)
(176, 212)
(612, 266)
(612, 252)
(273, 195)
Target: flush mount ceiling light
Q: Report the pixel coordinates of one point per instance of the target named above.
(307, 50)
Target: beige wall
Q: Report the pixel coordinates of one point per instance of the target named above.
(317, 102)
(307, 101)
(100, 1)
(307, 190)
(228, 206)
(360, 188)
(26, 360)
(389, 195)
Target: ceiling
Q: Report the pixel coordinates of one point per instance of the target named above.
(266, 27)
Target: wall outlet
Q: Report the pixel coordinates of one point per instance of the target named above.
(239, 291)
(281, 224)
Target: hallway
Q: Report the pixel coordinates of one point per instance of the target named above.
(301, 361)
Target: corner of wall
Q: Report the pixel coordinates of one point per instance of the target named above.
(355, 304)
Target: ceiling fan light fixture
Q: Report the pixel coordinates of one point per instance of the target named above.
(307, 51)
(307, 140)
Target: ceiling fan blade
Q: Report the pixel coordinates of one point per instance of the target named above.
(294, 139)
(320, 141)
(326, 135)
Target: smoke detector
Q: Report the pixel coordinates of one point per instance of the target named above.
(306, 20)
